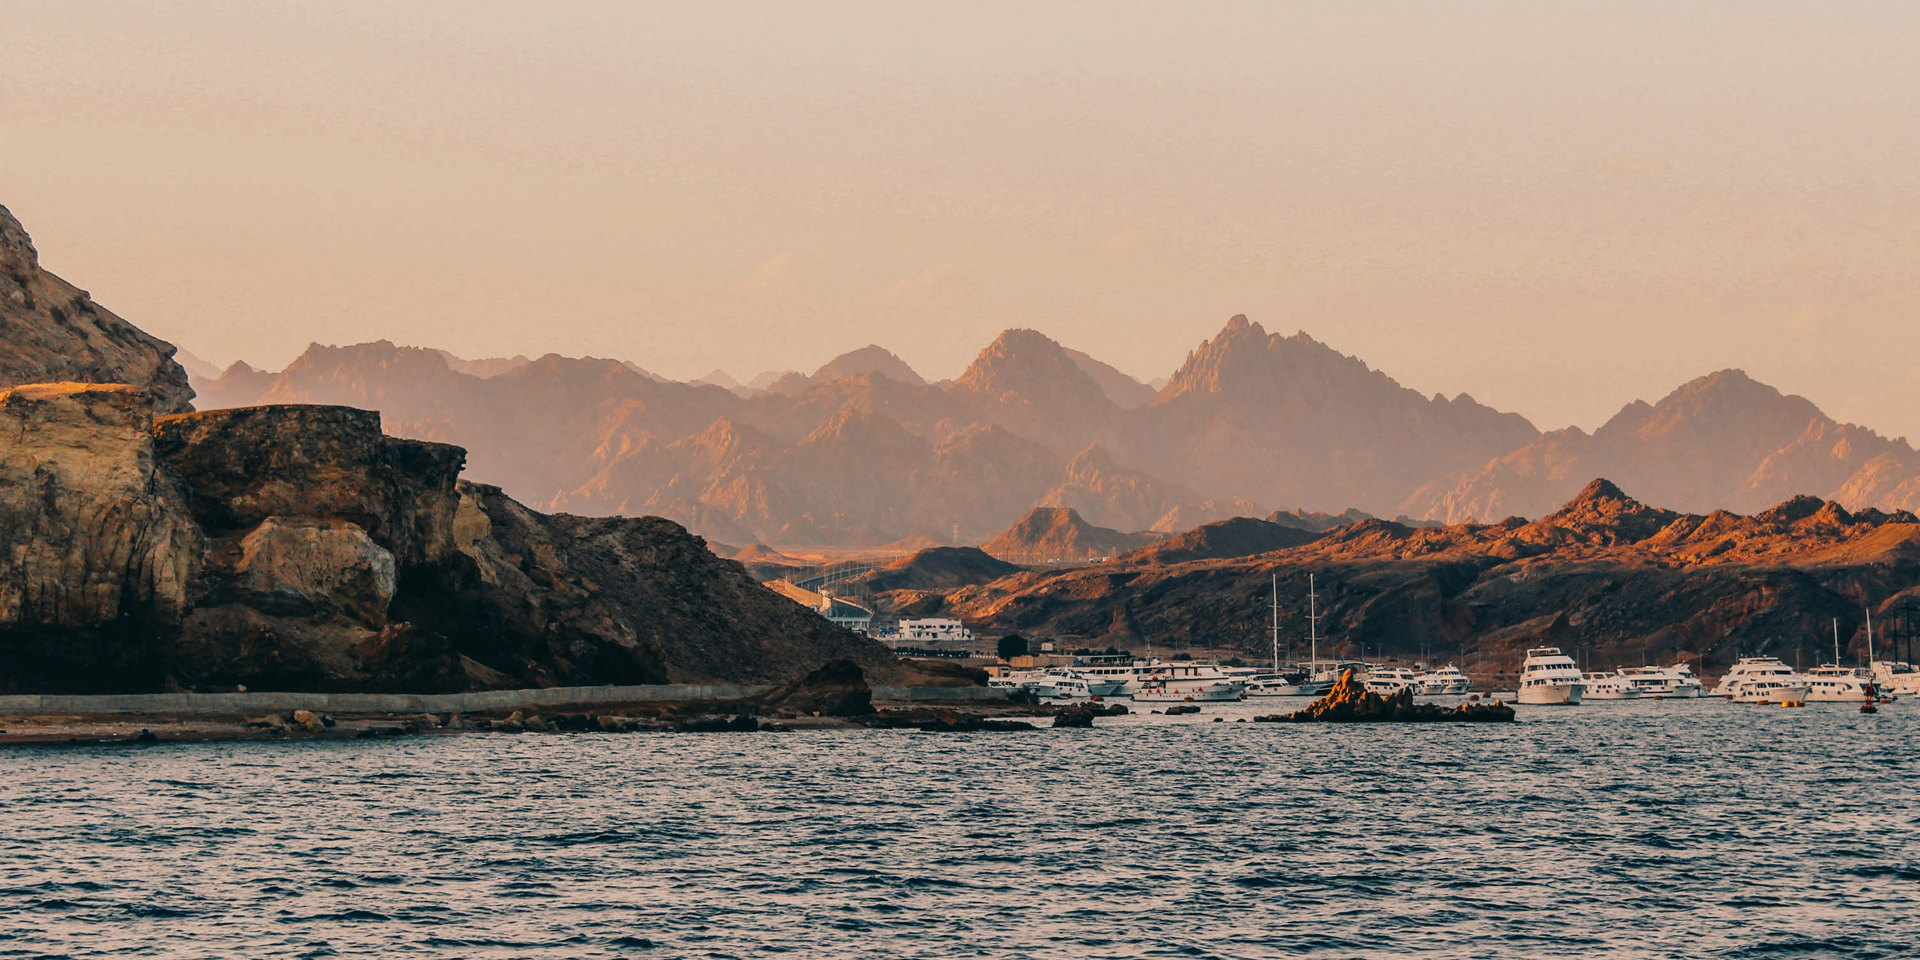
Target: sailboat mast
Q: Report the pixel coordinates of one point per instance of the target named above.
(1276, 622)
(1869, 638)
(1313, 625)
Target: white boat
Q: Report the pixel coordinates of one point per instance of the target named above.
(1446, 680)
(1832, 683)
(1549, 677)
(1180, 681)
(1601, 685)
(1676, 681)
(1106, 675)
(1064, 686)
(1288, 681)
(1044, 684)
(1278, 685)
(1387, 681)
(1762, 680)
(1896, 677)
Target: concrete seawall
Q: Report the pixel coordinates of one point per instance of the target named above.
(218, 704)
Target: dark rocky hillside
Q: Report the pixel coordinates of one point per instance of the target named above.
(1605, 575)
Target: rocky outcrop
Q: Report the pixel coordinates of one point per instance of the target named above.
(1351, 702)
(52, 331)
(837, 689)
(1056, 534)
(300, 548)
(1236, 537)
(937, 568)
(97, 551)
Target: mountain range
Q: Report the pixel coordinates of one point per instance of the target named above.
(865, 453)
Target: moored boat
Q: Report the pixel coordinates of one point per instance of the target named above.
(1762, 680)
(1182, 680)
(1601, 685)
(1549, 677)
(1675, 681)
(1446, 680)
(1387, 681)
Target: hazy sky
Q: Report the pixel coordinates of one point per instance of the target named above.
(1555, 207)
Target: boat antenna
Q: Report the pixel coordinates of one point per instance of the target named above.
(1276, 622)
(1836, 641)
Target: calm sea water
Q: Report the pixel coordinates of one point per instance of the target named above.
(1675, 829)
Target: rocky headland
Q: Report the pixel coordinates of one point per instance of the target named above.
(300, 548)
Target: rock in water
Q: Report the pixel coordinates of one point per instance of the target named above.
(838, 689)
(1351, 702)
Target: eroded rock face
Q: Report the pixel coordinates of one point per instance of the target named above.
(245, 465)
(95, 543)
(299, 548)
(325, 563)
(51, 331)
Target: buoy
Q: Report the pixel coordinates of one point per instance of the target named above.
(1869, 708)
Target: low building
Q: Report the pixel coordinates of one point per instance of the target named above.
(932, 630)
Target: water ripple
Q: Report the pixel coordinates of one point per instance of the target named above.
(1632, 830)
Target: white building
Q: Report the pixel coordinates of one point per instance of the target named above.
(932, 630)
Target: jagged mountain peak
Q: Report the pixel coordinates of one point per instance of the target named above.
(870, 360)
(1602, 506)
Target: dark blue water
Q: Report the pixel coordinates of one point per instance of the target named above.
(1625, 830)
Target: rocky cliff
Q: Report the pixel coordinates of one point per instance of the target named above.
(52, 331)
(300, 548)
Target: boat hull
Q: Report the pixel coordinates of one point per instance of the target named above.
(1552, 695)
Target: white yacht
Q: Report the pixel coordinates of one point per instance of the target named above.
(1762, 680)
(1110, 676)
(1446, 680)
(1387, 681)
(1045, 684)
(1181, 680)
(1601, 685)
(1832, 683)
(1106, 675)
(1895, 676)
(1676, 681)
(1548, 676)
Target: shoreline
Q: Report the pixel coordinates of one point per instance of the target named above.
(56, 729)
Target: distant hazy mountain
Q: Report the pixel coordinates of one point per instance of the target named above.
(865, 452)
(868, 360)
(1288, 420)
(1723, 441)
(199, 371)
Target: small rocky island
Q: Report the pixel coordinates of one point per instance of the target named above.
(1351, 702)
